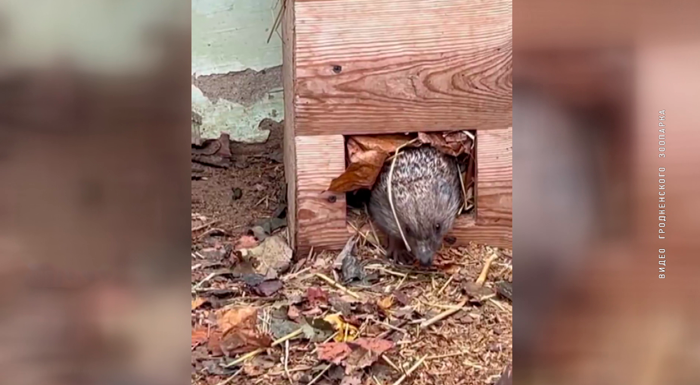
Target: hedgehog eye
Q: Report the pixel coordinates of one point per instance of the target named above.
(437, 227)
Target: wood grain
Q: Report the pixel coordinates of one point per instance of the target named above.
(369, 67)
(466, 230)
(494, 177)
(321, 216)
(289, 146)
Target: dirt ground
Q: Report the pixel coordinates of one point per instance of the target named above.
(452, 328)
(257, 170)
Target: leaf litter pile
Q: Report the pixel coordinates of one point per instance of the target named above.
(368, 154)
(263, 316)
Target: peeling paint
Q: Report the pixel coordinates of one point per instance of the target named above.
(239, 121)
(236, 73)
(244, 87)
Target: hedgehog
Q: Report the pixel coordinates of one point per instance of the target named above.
(427, 195)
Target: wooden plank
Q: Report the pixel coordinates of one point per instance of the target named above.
(321, 216)
(466, 230)
(370, 67)
(289, 147)
(494, 177)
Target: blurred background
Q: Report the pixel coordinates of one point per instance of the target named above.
(590, 80)
(94, 198)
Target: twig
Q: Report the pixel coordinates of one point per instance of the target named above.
(254, 353)
(389, 332)
(371, 227)
(464, 189)
(443, 315)
(485, 271)
(278, 19)
(286, 360)
(393, 365)
(226, 381)
(293, 370)
(208, 277)
(312, 382)
(337, 285)
(204, 226)
(410, 371)
(446, 284)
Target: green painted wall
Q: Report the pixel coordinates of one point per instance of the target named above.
(230, 36)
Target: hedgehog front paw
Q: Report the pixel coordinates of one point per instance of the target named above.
(397, 251)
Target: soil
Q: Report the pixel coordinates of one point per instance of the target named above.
(257, 170)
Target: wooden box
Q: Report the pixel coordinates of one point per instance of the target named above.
(394, 66)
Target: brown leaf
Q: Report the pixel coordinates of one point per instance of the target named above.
(360, 174)
(457, 145)
(376, 345)
(354, 355)
(334, 352)
(239, 332)
(365, 352)
(199, 336)
(383, 143)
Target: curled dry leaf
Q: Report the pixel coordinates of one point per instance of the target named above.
(453, 143)
(239, 334)
(361, 173)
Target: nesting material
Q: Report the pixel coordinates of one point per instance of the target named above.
(366, 155)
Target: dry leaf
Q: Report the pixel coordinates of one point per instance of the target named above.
(239, 332)
(382, 143)
(366, 351)
(386, 303)
(346, 331)
(197, 302)
(199, 336)
(241, 317)
(354, 355)
(454, 147)
(335, 352)
(361, 173)
(316, 296)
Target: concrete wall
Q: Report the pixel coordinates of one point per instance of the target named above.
(236, 73)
